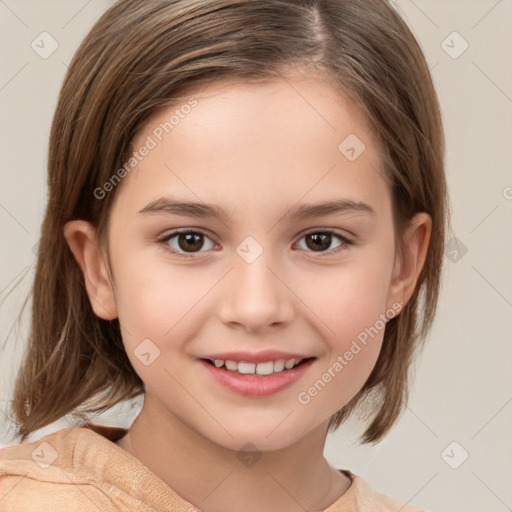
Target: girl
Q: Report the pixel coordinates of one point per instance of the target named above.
(245, 223)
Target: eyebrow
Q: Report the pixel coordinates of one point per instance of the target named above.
(303, 211)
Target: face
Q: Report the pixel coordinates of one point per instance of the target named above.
(253, 272)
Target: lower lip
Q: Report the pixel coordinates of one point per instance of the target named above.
(257, 385)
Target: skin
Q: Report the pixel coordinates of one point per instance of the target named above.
(256, 150)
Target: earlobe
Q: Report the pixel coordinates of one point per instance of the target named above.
(82, 240)
(408, 269)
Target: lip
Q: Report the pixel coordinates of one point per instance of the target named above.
(255, 357)
(257, 385)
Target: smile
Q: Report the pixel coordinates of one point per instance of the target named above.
(256, 379)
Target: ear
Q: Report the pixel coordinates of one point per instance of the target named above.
(407, 270)
(82, 240)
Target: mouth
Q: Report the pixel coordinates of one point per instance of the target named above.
(256, 379)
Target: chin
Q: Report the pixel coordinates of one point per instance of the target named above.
(267, 436)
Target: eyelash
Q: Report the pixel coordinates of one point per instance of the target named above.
(345, 242)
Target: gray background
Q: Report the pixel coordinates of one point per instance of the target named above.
(462, 391)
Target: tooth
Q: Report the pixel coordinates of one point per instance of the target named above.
(279, 365)
(244, 367)
(231, 365)
(265, 368)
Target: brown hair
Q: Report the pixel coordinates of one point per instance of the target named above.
(134, 61)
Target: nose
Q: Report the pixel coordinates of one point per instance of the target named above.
(255, 296)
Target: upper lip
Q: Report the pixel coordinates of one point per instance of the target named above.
(256, 357)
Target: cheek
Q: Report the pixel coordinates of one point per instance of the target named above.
(156, 310)
(152, 292)
(353, 350)
(348, 299)
(350, 307)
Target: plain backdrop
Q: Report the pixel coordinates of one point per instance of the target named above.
(452, 448)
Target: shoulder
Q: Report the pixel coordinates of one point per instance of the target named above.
(50, 474)
(81, 468)
(24, 494)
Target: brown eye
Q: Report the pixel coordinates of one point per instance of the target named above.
(183, 242)
(190, 241)
(321, 241)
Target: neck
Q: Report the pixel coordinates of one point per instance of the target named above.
(217, 479)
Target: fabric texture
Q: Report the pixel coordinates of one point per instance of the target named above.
(81, 469)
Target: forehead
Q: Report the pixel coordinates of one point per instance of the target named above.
(241, 141)
(275, 102)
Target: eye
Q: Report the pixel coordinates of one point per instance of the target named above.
(319, 241)
(185, 243)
